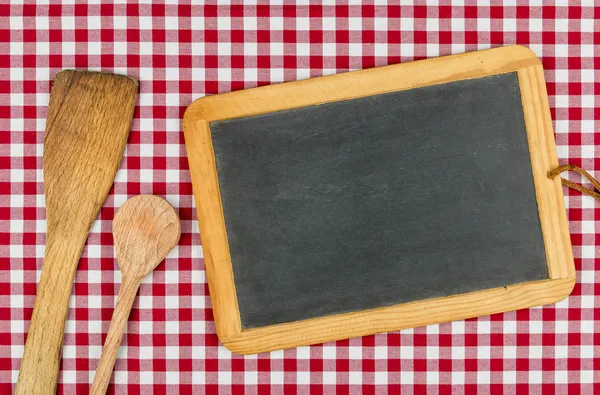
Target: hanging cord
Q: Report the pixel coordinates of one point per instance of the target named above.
(593, 193)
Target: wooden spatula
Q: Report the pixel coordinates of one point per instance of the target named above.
(89, 118)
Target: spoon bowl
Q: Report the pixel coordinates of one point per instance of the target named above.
(145, 229)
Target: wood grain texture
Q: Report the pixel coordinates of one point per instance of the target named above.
(397, 317)
(127, 293)
(358, 84)
(145, 229)
(217, 259)
(549, 193)
(89, 118)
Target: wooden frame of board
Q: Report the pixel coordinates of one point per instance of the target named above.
(549, 196)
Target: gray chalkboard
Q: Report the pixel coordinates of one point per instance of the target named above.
(379, 200)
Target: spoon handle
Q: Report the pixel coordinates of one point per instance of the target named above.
(127, 293)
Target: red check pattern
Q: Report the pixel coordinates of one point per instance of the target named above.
(180, 52)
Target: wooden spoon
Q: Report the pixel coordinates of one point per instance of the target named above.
(145, 229)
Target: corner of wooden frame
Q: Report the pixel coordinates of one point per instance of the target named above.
(569, 285)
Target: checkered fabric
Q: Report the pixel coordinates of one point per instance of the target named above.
(180, 52)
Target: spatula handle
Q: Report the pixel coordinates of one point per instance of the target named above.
(118, 323)
(41, 359)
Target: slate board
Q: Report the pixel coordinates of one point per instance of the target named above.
(379, 200)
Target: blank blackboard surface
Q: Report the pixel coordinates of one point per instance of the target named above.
(379, 200)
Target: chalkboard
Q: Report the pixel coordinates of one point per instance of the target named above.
(379, 200)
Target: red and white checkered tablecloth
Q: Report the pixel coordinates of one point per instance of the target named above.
(180, 52)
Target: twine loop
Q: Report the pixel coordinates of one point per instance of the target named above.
(593, 193)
